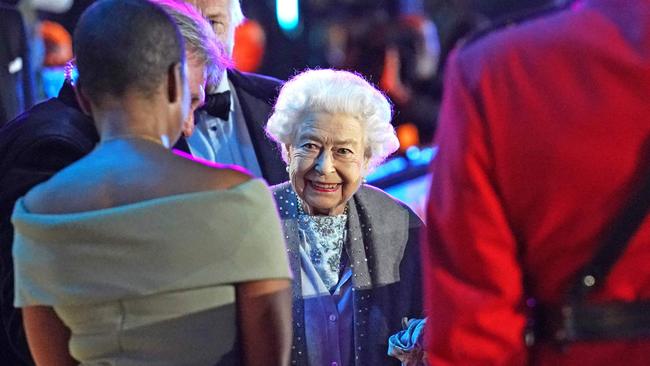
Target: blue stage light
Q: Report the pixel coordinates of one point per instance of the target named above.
(52, 78)
(392, 166)
(413, 153)
(288, 14)
(426, 155)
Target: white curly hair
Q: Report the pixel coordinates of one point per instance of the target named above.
(200, 41)
(335, 92)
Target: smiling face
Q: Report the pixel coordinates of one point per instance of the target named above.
(327, 162)
(218, 14)
(196, 78)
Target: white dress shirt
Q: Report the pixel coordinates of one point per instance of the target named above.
(225, 142)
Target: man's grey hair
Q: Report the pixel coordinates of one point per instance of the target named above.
(200, 41)
(236, 15)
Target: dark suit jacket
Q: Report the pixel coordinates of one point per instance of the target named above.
(15, 85)
(257, 95)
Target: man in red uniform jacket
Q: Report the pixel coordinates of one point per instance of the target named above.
(543, 134)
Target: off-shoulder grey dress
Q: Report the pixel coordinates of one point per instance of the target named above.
(151, 283)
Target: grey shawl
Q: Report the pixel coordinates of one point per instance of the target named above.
(383, 250)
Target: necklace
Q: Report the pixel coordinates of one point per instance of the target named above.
(163, 141)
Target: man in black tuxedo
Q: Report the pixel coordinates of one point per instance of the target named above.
(56, 133)
(230, 127)
(15, 77)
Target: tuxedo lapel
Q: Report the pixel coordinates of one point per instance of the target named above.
(182, 145)
(256, 102)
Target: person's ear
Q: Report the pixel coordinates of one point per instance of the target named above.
(365, 166)
(287, 152)
(82, 99)
(174, 82)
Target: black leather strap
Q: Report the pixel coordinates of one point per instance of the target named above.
(616, 240)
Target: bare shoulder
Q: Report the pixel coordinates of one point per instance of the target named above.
(205, 175)
(58, 194)
(35, 200)
(228, 177)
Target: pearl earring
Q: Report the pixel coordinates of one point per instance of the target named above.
(286, 168)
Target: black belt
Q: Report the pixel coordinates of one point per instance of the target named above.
(591, 322)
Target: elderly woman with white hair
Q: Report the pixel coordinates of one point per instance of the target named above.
(353, 249)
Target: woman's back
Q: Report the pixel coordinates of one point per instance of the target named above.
(139, 252)
(129, 255)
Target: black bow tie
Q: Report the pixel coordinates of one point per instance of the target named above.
(217, 105)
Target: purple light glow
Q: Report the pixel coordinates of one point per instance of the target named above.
(210, 163)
